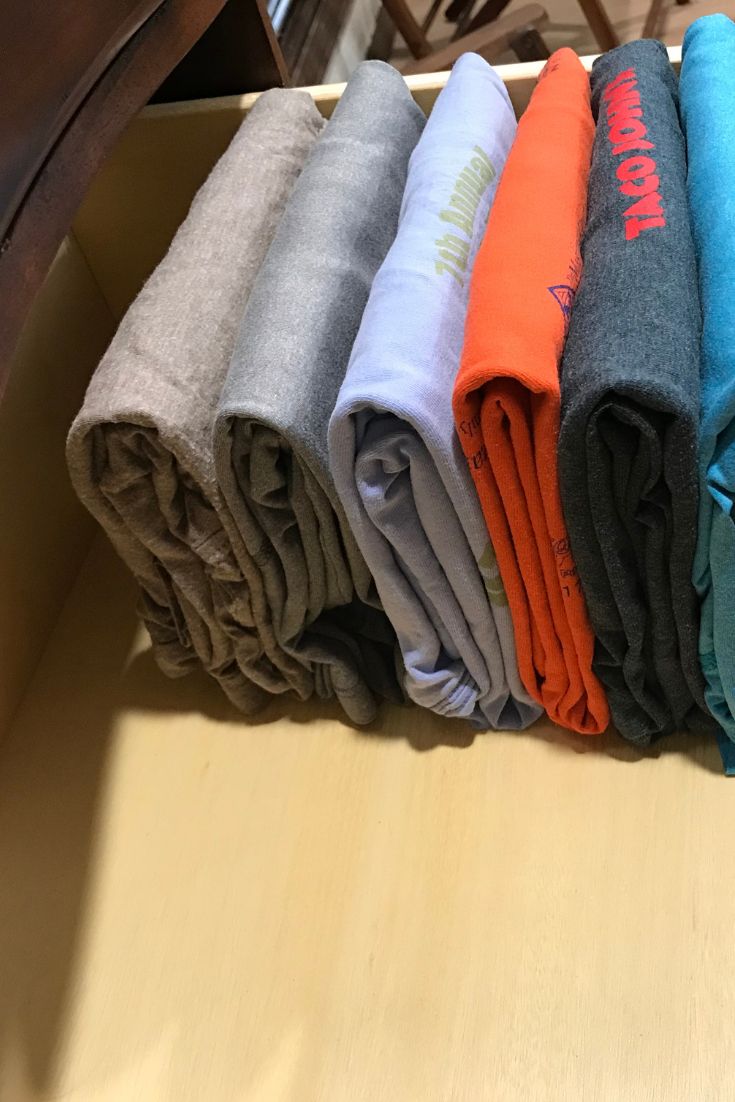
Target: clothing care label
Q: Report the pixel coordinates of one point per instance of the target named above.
(637, 171)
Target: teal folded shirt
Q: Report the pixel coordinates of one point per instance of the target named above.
(707, 103)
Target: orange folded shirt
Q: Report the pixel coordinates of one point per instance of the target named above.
(506, 396)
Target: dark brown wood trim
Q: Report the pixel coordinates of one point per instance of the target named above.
(239, 52)
(49, 208)
(53, 55)
(309, 37)
(381, 46)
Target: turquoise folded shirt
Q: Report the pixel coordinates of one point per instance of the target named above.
(707, 103)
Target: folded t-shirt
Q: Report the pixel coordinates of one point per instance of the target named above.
(140, 451)
(289, 361)
(394, 453)
(707, 90)
(506, 397)
(630, 401)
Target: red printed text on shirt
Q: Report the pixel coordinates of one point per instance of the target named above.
(636, 172)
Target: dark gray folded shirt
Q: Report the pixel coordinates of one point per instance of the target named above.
(630, 401)
(290, 358)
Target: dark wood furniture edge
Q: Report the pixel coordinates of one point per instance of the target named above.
(87, 77)
(44, 218)
(311, 32)
(381, 46)
(238, 52)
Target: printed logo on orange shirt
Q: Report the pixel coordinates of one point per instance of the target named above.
(563, 293)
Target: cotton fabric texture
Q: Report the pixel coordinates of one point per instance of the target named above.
(140, 452)
(507, 399)
(630, 401)
(707, 97)
(287, 368)
(395, 458)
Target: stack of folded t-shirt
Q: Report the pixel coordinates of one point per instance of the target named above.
(289, 362)
(708, 115)
(630, 401)
(394, 453)
(507, 399)
(140, 450)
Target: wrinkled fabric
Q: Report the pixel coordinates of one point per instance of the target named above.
(630, 402)
(394, 454)
(140, 451)
(289, 361)
(507, 397)
(707, 89)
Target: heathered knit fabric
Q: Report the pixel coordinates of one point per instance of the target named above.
(630, 401)
(287, 368)
(140, 452)
(394, 453)
(708, 116)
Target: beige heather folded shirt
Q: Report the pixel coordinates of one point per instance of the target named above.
(140, 451)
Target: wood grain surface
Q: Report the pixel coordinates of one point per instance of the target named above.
(198, 909)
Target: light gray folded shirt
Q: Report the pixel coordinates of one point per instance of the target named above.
(140, 450)
(395, 457)
(291, 355)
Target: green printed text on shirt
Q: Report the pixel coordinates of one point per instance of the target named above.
(488, 565)
(460, 212)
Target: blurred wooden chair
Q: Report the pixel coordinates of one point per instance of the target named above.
(487, 31)
(669, 21)
(520, 32)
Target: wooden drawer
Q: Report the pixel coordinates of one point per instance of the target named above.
(198, 908)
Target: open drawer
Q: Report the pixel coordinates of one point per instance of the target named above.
(195, 907)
